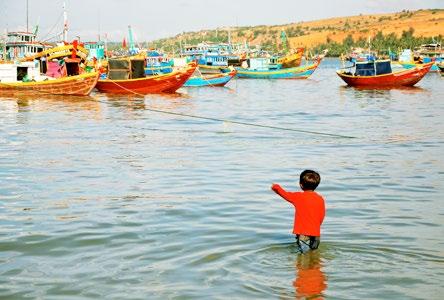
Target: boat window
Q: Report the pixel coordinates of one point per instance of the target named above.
(383, 67)
(72, 68)
(21, 73)
(137, 68)
(365, 69)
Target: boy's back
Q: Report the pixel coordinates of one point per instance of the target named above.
(309, 210)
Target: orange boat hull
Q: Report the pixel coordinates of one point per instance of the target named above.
(166, 83)
(408, 77)
(78, 85)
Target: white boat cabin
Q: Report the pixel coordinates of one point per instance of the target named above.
(25, 71)
(22, 44)
(262, 64)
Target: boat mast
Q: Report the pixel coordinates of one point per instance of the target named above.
(4, 44)
(27, 15)
(65, 24)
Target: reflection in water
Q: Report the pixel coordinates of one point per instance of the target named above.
(49, 102)
(357, 93)
(139, 102)
(310, 281)
(130, 102)
(380, 92)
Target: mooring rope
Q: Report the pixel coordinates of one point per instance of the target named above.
(250, 124)
(236, 122)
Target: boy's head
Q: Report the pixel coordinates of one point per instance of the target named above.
(309, 180)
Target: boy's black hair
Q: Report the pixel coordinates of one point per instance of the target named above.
(309, 180)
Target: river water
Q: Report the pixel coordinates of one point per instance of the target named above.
(103, 198)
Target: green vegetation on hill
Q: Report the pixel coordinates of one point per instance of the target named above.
(380, 42)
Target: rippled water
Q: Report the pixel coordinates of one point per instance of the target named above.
(102, 198)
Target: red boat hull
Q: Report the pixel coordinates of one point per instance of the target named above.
(408, 77)
(167, 83)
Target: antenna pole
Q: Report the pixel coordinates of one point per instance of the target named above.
(27, 15)
(65, 24)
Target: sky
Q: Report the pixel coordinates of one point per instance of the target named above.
(152, 20)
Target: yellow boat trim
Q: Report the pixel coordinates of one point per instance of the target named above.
(212, 67)
(57, 52)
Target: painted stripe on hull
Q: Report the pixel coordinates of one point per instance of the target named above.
(210, 80)
(289, 73)
(203, 82)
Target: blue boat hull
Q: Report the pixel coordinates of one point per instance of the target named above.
(219, 80)
(287, 73)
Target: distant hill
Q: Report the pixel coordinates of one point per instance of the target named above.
(421, 23)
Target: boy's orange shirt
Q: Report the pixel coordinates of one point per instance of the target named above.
(309, 210)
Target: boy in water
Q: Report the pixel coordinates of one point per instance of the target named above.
(309, 210)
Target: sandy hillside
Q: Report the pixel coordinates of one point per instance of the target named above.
(427, 23)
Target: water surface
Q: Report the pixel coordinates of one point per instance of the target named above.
(101, 197)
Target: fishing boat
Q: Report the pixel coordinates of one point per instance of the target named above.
(126, 76)
(256, 69)
(95, 50)
(380, 74)
(157, 63)
(441, 68)
(431, 53)
(25, 77)
(211, 58)
(55, 71)
(210, 79)
(19, 45)
(212, 63)
(422, 55)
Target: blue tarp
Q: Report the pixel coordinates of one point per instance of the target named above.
(383, 67)
(365, 69)
(369, 68)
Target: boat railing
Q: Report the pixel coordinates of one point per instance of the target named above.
(343, 68)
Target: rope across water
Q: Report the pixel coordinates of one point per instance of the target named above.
(237, 122)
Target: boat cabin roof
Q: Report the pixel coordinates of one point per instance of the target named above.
(372, 68)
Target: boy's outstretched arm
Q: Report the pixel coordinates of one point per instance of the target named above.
(280, 191)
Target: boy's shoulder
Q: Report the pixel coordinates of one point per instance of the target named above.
(313, 194)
